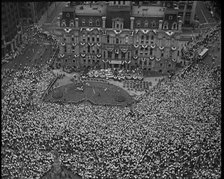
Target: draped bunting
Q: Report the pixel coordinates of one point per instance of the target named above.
(144, 46)
(128, 62)
(76, 55)
(151, 58)
(122, 62)
(174, 60)
(82, 43)
(158, 59)
(62, 55)
(161, 48)
(98, 44)
(67, 30)
(155, 31)
(136, 46)
(145, 31)
(153, 46)
(91, 44)
(116, 51)
(143, 59)
(89, 29)
(124, 50)
(135, 57)
(98, 55)
(136, 31)
(169, 33)
(74, 44)
(83, 55)
(62, 43)
(117, 31)
(173, 48)
(110, 49)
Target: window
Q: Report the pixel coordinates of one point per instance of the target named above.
(88, 39)
(138, 23)
(169, 65)
(117, 40)
(109, 54)
(122, 55)
(72, 38)
(189, 7)
(152, 38)
(97, 39)
(153, 24)
(142, 37)
(97, 22)
(136, 52)
(83, 22)
(88, 49)
(149, 63)
(93, 51)
(90, 22)
(162, 54)
(93, 39)
(165, 26)
(151, 51)
(170, 17)
(97, 51)
(72, 23)
(117, 26)
(104, 54)
(161, 64)
(146, 24)
(178, 53)
(174, 25)
(147, 37)
(108, 39)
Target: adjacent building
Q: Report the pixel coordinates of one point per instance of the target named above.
(11, 35)
(120, 34)
(31, 12)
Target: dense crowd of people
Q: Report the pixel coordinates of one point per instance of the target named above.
(174, 130)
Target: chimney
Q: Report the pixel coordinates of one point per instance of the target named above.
(160, 24)
(104, 21)
(132, 23)
(76, 22)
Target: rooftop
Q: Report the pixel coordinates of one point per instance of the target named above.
(94, 9)
(148, 11)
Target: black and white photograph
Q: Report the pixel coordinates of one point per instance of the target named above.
(111, 90)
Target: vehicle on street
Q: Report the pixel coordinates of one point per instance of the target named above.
(203, 53)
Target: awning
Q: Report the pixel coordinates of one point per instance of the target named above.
(115, 62)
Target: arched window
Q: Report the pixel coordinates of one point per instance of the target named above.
(90, 22)
(108, 39)
(97, 22)
(146, 24)
(152, 37)
(165, 25)
(117, 40)
(174, 25)
(72, 23)
(153, 24)
(138, 23)
(151, 51)
(63, 24)
(83, 22)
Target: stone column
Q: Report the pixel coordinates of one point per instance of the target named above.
(132, 23)
(160, 24)
(104, 22)
(76, 22)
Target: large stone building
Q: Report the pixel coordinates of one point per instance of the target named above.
(119, 34)
(11, 35)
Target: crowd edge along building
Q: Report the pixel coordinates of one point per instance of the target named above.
(120, 34)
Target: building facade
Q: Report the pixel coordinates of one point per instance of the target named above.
(11, 35)
(119, 34)
(31, 12)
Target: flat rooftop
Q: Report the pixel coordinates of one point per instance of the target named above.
(94, 9)
(148, 11)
